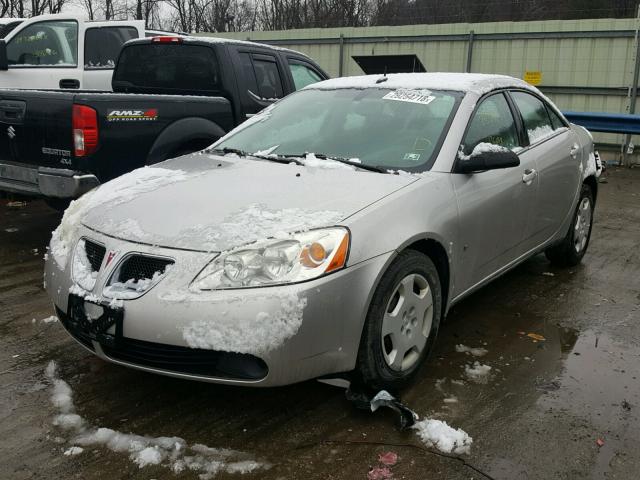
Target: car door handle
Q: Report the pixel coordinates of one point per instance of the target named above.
(573, 151)
(529, 175)
(69, 83)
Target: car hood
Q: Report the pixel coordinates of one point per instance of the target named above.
(209, 203)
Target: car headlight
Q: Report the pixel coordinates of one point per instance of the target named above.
(300, 257)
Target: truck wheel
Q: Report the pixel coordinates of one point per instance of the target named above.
(402, 323)
(574, 245)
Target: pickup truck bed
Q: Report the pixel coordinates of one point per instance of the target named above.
(37, 150)
(172, 96)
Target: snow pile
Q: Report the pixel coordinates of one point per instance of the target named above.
(592, 167)
(83, 273)
(476, 352)
(479, 149)
(257, 222)
(310, 160)
(540, 133)
(234, 332)
(438, 434)
(120, 190)
(477, 372)
(133, 288)
(172, 452)
(74, 451)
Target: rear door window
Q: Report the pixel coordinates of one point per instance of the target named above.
(167, 68)
(45, 44)
(303, 75)
(102, 45)
(491, 123)
(536, 120)
(268, 77)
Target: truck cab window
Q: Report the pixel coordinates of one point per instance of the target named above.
(50, 43)
(268, 77)
(102, 46)
(303, 75)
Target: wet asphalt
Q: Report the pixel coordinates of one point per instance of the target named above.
(566, 407)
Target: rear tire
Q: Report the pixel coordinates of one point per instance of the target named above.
(570, 251)
(402, 323)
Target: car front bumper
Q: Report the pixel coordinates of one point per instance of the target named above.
(153, 326)
(44, 181)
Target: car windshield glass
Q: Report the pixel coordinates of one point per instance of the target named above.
(392, 129)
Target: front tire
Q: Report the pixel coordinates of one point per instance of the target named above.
(570, 251)
(402, 323)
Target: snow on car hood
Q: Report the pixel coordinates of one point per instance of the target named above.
(213, 203)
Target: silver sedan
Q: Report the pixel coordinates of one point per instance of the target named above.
(327, 236)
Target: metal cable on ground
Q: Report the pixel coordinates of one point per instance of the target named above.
(391, 444)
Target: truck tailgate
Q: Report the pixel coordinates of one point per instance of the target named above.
(35, 128)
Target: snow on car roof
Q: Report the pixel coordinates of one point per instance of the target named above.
(465, 82)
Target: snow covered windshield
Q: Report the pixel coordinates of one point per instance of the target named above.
(377, 127)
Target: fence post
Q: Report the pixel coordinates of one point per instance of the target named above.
(634, 86)
(341, 56)
(469, 51)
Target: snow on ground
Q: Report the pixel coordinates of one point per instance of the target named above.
(438, 434)
(476, 352)
(172, 452)
(235, 332)
(74, 451)
(477, 372)
(50, 319)
(115, 192)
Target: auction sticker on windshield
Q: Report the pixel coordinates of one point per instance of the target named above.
(423, 97)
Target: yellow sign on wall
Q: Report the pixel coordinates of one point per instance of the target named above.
(533, 77)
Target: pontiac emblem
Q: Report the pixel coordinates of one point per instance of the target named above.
(11, 132)
(112, 254)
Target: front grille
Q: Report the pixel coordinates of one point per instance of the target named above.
(95, 254)
(138, 267)
(194, 361)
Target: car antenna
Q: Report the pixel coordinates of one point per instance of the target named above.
(383, 78)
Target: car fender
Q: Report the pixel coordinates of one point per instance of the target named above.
(180, 133)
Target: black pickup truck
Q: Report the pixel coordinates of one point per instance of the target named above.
(171, 95)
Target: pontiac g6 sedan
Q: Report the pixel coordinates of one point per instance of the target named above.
(328, 235)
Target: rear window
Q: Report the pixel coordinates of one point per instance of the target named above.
(167, 68)
(102, 45)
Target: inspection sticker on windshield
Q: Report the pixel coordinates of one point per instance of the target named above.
(411, 157)
(423, 97)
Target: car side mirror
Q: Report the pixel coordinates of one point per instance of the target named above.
(4, 62)
(488, 160)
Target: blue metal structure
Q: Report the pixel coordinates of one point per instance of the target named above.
(606, 122)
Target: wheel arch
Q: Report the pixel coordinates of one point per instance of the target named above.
(180, 133)
(592, 182)
(431, 245)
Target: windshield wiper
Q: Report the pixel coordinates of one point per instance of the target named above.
(346, 161)
(272, 157)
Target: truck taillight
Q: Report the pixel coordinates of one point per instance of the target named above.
(85, 130)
